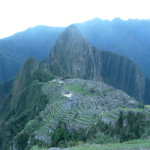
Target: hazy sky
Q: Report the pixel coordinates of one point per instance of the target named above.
(17, 15)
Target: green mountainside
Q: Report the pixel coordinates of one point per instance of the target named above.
(24, 76)
(63, 99)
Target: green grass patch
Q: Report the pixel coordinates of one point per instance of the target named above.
(116, 111)
(75, 89)
(147, 106)
(36, 147)
(115, 146)
(148, 114)
(82, 89)
(131, 109)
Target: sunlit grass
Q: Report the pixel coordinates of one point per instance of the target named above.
(147, 106)
(37, 148)
(82, 89)
(115, 146)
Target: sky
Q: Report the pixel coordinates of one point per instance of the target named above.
(18, 15)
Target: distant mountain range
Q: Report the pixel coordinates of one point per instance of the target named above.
(129, 38)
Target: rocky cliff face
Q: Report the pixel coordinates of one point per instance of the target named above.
(72, 55)
(126, 38)
(122, 73)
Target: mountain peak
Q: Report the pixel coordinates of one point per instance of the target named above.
(71, 55)
(69, 42)
(71, 33)
(72, 28)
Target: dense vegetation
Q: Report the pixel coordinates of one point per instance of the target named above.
(62, 137)
(23, 100)
(28, 106)
(129, 126)
(130, 145)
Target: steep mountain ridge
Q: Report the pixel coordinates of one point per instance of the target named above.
(24, 76)
(11, 90)
(122, 73)
(72, 55)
